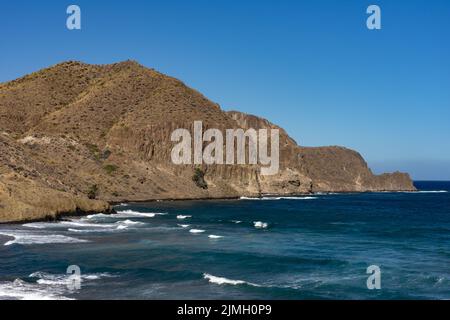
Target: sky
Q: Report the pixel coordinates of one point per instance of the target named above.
(312, 67)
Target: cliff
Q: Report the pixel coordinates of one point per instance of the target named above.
(75, 137)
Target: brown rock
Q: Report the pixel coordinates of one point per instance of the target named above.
(69, 127)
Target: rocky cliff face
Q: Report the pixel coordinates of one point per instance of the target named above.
(75, 137)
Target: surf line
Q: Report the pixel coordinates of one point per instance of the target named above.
(194, 311)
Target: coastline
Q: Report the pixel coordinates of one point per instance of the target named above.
(81, 213)
(59, 216)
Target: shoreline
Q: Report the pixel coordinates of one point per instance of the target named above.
(112, 211)
(269, 195)
(60, 216)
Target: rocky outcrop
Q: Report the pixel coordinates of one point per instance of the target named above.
(75, 131)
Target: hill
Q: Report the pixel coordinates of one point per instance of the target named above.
(75, 137)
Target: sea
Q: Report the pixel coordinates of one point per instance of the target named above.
(390, 245)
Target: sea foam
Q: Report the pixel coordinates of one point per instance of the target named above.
(182, 217)
(222, 280)
(196, 231)
(213, 236)
(29, 238)
(21, 290)
(132, 213)
(280, 198)
(260, 224)
(45, 286)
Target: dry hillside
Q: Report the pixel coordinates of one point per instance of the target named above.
(75, 137)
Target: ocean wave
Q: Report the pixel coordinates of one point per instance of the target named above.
(41, 225)
(123, 205)
(222, 280)
(279, 198)
(21, 290)
(327, 193)
(132, 213)
(293, 198)
(196, 231)
(213, 236)
(82, 224)
(182, 217)
(119, 225)
(260, 224)
(130, 223)
(88, 230)
(30, 238)
(416, 192)
(73, 223)
(184, 225)
(64, 279)
(44, 286)
(98, 215)
(236, 221)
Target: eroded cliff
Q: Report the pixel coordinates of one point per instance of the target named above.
(74, 137)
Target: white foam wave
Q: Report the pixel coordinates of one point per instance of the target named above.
(196, 231)
(280, 198)
(222, 280)
(249, 198)
(137, 214)
(64, 279)
(213, 236)
(40, 225)
(82, 224)
(73, 223)
(21, 290)
(292, 198)
(184, 225)
(260, 224)
(87, 230)
(119, 225)
(433, 191)
(182, 217)
(129, 223)
(236, 221)
(47, 286)
(99, 215)
(24, 238)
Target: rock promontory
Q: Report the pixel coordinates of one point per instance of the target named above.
(76, 137)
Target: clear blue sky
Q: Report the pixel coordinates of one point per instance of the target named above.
(310, 66)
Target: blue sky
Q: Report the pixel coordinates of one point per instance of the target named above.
(310, 66)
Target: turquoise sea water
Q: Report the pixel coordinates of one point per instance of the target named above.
(316, 247)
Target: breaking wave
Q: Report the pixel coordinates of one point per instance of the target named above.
(279, 198)
(222, 280)
(260, 224)
(433, 191)
(24, 238)
(43, 286)
(196, 231)
(213, 236)
(64, 279)
(130, 223)
(132, 213)
(21, 290)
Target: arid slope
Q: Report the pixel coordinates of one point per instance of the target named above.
(74, 132)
